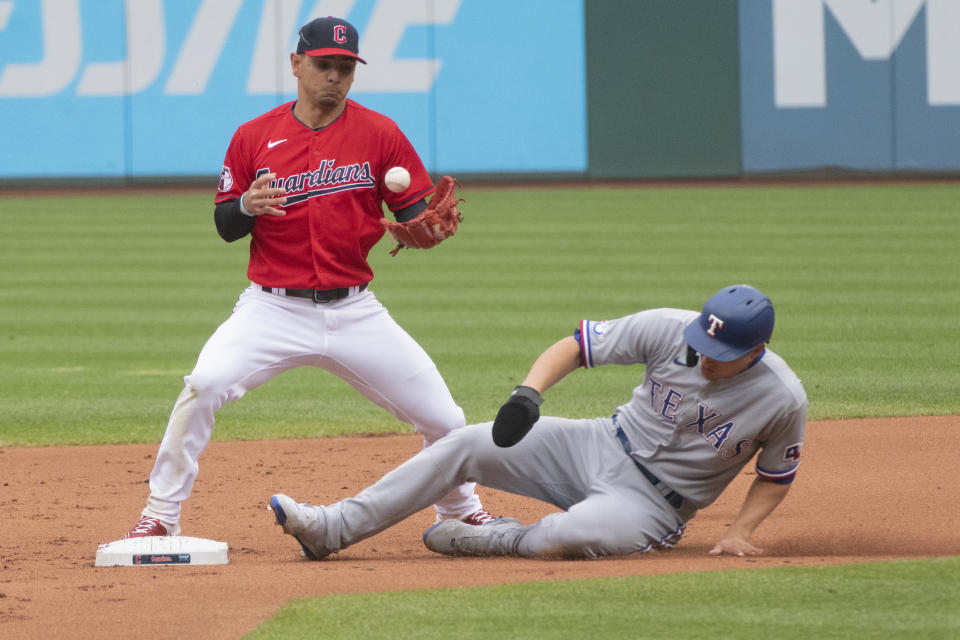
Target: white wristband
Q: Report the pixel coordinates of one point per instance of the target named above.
(243, 209)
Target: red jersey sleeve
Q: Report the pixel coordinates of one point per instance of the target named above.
(402, 154)
(235, 174)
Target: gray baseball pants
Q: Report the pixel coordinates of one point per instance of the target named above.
(579, 466)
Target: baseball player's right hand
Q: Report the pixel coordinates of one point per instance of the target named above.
(735, 546)
(517, 416)
(260, 198)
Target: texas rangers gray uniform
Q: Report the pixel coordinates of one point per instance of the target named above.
(625, 483)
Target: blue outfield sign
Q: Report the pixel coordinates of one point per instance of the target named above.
(133, 88)
(114, 88)
(856, 84)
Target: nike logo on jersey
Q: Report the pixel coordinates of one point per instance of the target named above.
(271, 144)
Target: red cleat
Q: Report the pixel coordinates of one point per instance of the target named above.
(148, 526)
(478, 518)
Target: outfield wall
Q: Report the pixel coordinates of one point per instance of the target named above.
(596, 88)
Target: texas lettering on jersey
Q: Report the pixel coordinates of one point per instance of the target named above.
(326, 179)
(714, 428)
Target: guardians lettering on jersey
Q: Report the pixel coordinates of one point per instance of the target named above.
(326, 179)
(666, 401)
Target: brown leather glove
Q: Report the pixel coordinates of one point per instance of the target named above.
(434, 225)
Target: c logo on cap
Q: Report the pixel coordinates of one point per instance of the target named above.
(715, 323)
(339, 34)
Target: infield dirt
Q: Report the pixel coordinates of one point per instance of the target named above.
(867, 490)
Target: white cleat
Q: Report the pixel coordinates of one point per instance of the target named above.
(302, 521)
(456, 538)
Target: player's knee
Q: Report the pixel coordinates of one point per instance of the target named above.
(468, 437)
(200, 386)
(440, 423)
(460, 452)
(482, 460)
(207, 387)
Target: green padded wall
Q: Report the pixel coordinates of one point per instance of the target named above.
(662, 88)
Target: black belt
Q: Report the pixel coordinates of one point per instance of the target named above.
(674, 498)
(317, 295)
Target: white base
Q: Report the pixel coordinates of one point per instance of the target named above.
(161, 550)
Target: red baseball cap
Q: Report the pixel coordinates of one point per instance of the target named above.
(329, 37)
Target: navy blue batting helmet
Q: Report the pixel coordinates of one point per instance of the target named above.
(733, 321)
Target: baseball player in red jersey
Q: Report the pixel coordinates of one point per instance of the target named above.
(305, 181)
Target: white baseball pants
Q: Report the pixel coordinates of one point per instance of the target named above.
(354, 338)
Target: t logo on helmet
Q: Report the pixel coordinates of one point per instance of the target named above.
(715, 323)
(339, 34)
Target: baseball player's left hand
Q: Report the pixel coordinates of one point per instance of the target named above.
(735, 546)
(517, 416)
(437, 223)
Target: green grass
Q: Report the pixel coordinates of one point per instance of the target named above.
(106, 300)
(917, 600)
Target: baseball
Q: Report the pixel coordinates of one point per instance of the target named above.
(397, 179)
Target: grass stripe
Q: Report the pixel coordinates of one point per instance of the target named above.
(97, 290)
(917, 600)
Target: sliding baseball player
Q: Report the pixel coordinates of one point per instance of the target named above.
(713, 397)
